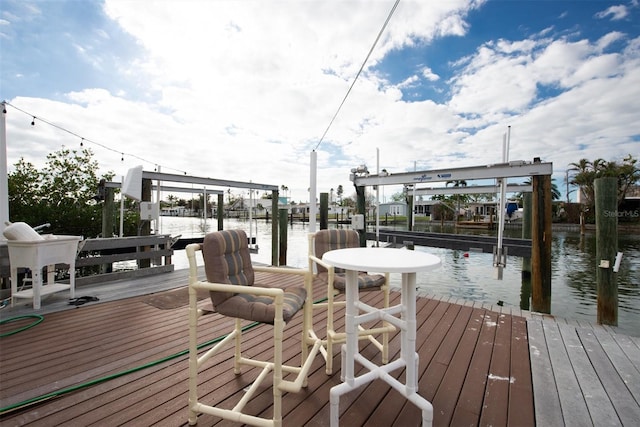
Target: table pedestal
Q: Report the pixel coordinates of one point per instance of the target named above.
(408, 357)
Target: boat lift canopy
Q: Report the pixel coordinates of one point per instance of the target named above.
(514, 169)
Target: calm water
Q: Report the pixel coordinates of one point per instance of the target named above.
(473, 277)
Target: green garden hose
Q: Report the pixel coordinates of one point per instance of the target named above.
(24, 328)
(64, 391)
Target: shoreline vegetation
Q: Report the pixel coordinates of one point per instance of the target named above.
(423, 221)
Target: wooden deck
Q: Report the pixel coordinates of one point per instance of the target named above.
(124, 362)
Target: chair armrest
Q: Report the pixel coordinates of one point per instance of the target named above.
(238, 289)
(321, 262)
(280, 270)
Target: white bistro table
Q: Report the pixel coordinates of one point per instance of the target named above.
(385, 260)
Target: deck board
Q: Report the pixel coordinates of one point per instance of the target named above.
(470, 402)
(499, 377)
(620, 397)
(479, 364)
(600, 408)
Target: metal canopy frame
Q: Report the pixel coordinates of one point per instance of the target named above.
(189, 179)
(514, 169)
(473, 189)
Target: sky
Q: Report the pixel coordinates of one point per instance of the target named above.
(246, 90)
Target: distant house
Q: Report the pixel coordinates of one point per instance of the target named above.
(393, 208)
(175, 211)
(424, 207)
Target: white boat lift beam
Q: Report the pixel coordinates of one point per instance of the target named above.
(206, 181)
(168, 189)
(514, 169)
(473, 189)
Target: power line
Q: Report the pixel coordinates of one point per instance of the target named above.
(84, 139)
(393, 9)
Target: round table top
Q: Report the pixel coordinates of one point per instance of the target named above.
(389, 260)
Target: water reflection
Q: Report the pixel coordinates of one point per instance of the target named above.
(473, 277)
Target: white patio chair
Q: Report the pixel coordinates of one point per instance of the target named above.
(230, 280)
(319, 243)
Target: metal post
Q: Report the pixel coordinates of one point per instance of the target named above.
(4, 180)
(313, 208)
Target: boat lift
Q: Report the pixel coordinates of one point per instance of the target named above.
(204, 185)
(499, 172)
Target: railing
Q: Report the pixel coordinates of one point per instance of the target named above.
(151, 253)
(95, 259)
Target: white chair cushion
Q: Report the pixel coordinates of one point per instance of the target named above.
(21, 231)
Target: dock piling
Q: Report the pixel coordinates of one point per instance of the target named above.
(606, 198)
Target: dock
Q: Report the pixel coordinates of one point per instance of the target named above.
(122, 361)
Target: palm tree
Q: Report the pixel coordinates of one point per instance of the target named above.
(555, 192)
(458, 197)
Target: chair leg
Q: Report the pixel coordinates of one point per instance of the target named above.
(237, 347)
(386, 325)
(193, 356)
(330, 330)
(278, 333)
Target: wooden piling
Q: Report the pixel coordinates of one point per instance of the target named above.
(324, 211)
(282, 215)
(527, 201)
(220, 212)
(541, 244)
(108, 208)
(361, 209)
(145, 226)
(410, 212)
(274, 228)
(606, 200)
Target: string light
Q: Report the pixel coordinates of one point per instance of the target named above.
(82, 139)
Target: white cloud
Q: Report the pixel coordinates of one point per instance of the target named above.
(615, 12)
(244, 90)
(428, 74)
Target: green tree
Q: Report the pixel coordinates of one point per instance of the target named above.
(587, 172)
(555, 192)
(398, 197)
(459, 198)
(61, 194)
(445, 209)
(339, 193)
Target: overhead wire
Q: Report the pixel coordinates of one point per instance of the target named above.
(84, 140)
(384, 26)
(122, 154)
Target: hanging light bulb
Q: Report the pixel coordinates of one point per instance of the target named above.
(82, 142)
(33, 122)
(122, 157)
